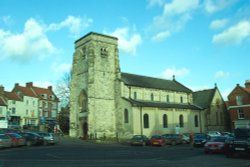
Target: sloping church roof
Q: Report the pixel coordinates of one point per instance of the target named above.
(140, 103)
(156, 83)
(204, 98)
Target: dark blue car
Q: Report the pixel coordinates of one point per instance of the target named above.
(200, 139)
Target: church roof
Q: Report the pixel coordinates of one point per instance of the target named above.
(204, 98)
(140, 103)
(155, 83)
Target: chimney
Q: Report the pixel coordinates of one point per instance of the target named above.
(50, 88)
(16, 84)
(247, 84)
(29, 84)
(1, 90)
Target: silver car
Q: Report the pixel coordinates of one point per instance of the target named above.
(49, 138)
(5, 141)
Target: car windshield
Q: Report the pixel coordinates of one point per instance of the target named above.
(200, 136)
(156, 137)
(137, 137)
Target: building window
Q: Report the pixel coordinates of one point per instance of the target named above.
(13, 110)
(27, 112)
(165, 120)
(196, 121)
(181, 123)
(126, 116)
(135, 95)
(241, 114)
(27, 102)
(34, 103)
(167, 98)
(145, 121)
(181, 99)
(239, 100)
(13, 102)
(152, 97)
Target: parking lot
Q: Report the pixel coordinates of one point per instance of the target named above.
(71, 152)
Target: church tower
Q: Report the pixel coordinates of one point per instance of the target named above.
(94, 87)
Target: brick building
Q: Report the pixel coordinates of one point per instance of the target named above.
(239, 106)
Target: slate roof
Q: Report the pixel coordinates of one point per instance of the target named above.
(40, 91)
(25, 90)
(12, 96)
(155, 83)
(139, 103)
(204, 98)
(2, 102)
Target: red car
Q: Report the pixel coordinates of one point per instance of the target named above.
(17, 140)
(215, 145)
(157, 140)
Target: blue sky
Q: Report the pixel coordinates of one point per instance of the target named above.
(201, 42)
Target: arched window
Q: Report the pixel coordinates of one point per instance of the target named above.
(196, 121)
(126, 116)
(181, 99)
(167, 98)
(165, 121)
(152, 97)
(145, 121)
(181, 122)
(135, 95)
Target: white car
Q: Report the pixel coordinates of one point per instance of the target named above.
(213, 133)
(49, 138)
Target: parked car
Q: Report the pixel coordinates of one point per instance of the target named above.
(185, 138)
(139, 140)
(17, 139)
(215, 145)
(239, 144)
(5, 141)
(200, 139)
(173, 139)
(157, 140)
(213, 133)
(49, 138)
(32, 138)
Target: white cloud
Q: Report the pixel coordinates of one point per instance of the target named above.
(212, 6)
(169, 72)
(217, 24)
(221, 74)
(75, 24)
(43, 84)
(234, 35)
(127, 43)
(30, 43)
(174, 17)
(155, 3)
(161, 36)
(61, 68)
(180, 7)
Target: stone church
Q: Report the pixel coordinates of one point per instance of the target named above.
(106, 103)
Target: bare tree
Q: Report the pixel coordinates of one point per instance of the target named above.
(63, 89)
